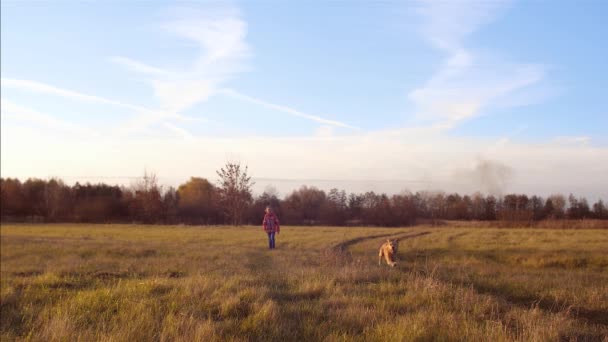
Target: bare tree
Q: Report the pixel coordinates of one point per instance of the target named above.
(235, 191)
(148, 206)
(600, 211)
(558, 206)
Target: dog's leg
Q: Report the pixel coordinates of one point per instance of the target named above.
(388, 259)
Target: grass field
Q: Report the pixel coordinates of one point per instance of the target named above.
(165, 283)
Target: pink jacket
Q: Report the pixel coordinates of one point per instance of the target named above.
(271, 223)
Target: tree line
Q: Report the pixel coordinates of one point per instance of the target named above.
(230, 201)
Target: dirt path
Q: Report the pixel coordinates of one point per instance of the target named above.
(339, 253)
(343, 246)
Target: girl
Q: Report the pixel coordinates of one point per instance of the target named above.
(271, 226)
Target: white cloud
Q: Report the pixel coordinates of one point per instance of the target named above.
(11, 110)
(284, 109)
(447, 23)
(179, 131)
(144, 116)
(39, 87)
(140, 67)
(176, 96)
(219, 36)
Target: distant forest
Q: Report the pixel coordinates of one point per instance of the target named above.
(198, 201)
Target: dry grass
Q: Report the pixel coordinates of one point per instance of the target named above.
(165, 283)
(548, 223)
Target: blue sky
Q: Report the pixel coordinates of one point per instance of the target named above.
(382, 96)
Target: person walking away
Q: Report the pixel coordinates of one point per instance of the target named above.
(271, 226)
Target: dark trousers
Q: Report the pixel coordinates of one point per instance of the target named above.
(271, 240)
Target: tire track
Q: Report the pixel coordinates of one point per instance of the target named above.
(342, 246)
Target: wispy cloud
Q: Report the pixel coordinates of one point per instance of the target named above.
(179, 131)
(139, 66)
(39, 87)
(447, 23)
(178, 95)
(11, 110)
(467, 82)
(144, 116)
(572, 140)
(219, 36)
(284, 109)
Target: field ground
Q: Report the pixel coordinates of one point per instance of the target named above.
(165, 283)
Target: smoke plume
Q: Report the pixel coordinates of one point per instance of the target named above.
(487, 176)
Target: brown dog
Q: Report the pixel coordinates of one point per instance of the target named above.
(389, 251)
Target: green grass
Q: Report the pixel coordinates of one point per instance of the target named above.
(165, 283)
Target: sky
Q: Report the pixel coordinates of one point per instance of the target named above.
(388, 96)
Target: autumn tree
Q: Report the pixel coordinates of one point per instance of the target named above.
(369, 202)
(383, 211)
(334, 209)
(12, 201)
(235, 191)
(58, 200)
(537, 207)
(170, 205)
(303, 206)
(436, 205)
(355, 208)
(490, 208)
(35, 195)
(404, 209)
(198, 201)
(457, 207)
(515, 207)
(478, 203)
(97, 203)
